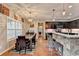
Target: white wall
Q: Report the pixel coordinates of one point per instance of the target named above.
(4, 43)
(3, 32)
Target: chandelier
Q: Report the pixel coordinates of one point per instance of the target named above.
(30, 18)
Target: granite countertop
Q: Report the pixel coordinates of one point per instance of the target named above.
(67, 35)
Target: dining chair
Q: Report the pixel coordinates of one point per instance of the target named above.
(34, 40)
(21, 44)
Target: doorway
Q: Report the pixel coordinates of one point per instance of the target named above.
(40, 29)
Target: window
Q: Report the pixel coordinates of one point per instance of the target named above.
(14, 29)
(18, 28)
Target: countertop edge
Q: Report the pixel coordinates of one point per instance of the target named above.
(67, 36)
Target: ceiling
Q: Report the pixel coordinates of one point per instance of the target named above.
(43, 11)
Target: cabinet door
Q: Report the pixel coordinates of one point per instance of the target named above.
(0, 7)
(78, 23)
(74, 24)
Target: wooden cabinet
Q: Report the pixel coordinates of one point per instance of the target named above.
(64, 25)
(74, 24)
(4, 10)
(50, 25)
(0, 8)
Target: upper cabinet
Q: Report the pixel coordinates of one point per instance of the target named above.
(63, 25)
(4, 10)
(50, 25)
(74, 24)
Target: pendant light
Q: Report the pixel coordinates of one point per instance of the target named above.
(70, 6)
(64, 12)
(53, 14)
(30, 18)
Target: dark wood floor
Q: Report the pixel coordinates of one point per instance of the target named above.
(41, 50)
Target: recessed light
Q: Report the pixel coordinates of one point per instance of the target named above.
(70, 6)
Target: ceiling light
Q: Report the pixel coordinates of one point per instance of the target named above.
(70, 6)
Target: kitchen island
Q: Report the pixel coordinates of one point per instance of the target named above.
(70, 43)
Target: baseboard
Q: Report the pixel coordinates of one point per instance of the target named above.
(7, 50)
